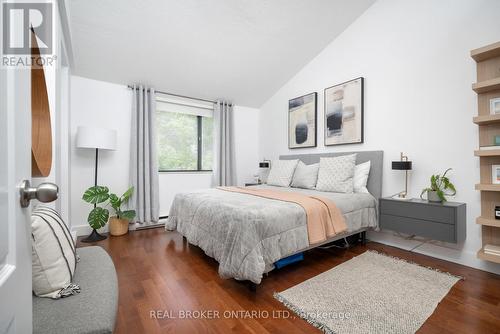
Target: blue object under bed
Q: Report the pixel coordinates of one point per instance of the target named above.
(289, 260)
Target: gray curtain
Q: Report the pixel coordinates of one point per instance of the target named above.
(224, 166)
(143, 159)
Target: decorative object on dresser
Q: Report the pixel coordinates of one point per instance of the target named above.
(495, 174)
(302, 121)
(495, 106)
(487, 88)
(95, 138)
(406, 165)
(438, 221)
(344, 113)
(440, 188)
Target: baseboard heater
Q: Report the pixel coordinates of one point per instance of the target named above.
(153, 226)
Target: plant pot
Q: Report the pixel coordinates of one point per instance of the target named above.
(432, 196)
(118, 226)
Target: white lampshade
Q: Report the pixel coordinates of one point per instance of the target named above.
(101, 138)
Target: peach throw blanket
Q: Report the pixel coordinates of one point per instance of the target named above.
(324, 219)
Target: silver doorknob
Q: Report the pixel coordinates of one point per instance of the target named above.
(45, 192)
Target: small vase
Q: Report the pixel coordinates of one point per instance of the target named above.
(432, 196)
(118, 226)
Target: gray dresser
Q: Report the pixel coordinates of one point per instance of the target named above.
(437, 221)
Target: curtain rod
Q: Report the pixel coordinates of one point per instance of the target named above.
(182, 96)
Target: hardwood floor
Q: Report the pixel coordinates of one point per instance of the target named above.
(159, 271)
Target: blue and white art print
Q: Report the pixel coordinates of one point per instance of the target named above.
(302, 121)
(344, 113)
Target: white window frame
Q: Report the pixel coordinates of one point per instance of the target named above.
(187, 106)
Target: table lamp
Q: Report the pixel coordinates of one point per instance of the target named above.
(403, 164)
(264, 166)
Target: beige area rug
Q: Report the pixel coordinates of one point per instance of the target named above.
(371, 293)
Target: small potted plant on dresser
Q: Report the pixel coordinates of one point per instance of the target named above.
(118, 224)
(440, 188)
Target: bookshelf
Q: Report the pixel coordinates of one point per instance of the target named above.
(487, 87)
(487, 153)
(487, 119)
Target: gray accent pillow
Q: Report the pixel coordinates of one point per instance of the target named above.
(305, 176)
(282, 172)
(336, 174)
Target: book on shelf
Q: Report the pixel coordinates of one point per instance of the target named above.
(492, 249)
(487, 148)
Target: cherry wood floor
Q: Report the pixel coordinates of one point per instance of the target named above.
(159, 271)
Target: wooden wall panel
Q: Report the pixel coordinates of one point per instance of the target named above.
(41, 131)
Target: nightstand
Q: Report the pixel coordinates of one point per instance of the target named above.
(438, 221)
(252, 184)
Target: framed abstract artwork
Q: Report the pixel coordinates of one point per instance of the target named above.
(344, 113)
(302, 121)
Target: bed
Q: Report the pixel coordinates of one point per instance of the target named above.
(247, 234)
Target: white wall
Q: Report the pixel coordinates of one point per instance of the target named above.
(98, 103)
(414, 56)
(246, 142)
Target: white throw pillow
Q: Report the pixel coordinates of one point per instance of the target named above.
(360, 179)
(305, 176)
(282, 172)
(53, 255)
(336, 174)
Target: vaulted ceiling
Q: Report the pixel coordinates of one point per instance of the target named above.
(241, 50)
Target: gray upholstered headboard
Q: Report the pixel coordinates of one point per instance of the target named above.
(376, 157)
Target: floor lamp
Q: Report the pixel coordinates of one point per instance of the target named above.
(97, 139)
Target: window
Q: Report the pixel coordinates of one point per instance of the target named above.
(185, 136)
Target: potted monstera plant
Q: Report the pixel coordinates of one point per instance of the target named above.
(440, 188)
(99, 216)
(118, 224)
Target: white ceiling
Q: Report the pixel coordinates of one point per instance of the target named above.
(240, 50)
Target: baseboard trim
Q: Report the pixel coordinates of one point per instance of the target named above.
(84, 230)
(457, 255)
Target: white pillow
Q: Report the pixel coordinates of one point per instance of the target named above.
(336, 174)
(305, 176)
(53, 255)
(282, 172)
(360, 179)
